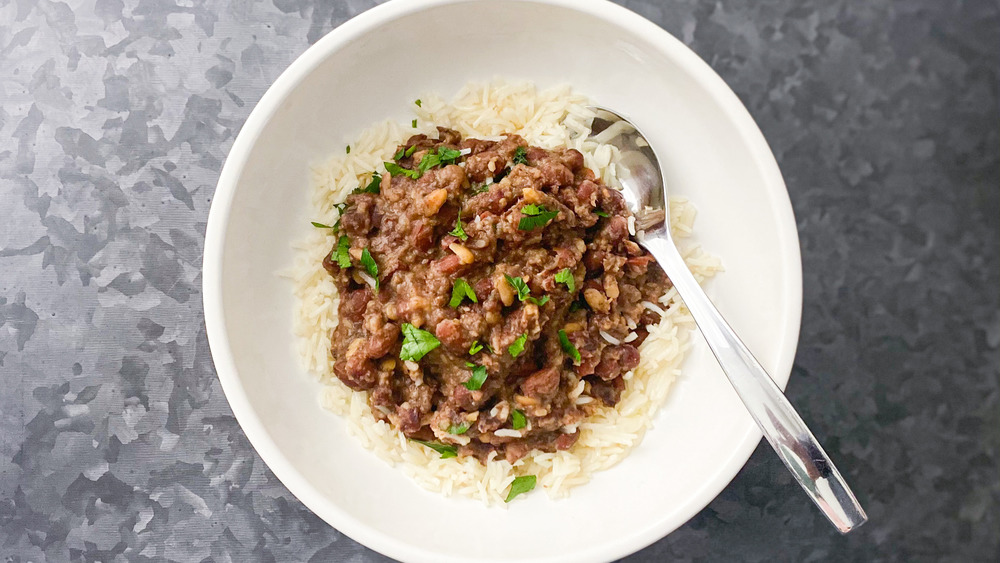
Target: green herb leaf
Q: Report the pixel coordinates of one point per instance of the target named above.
(535, 217)
(341, 254)
(568, 347)
(416, 343)
(459, 429)
(320, 225)
(409, 152)
(461, 289)
(520, 156)
(445, 451)
(475, 348)
(459, 231)
(576, 305)
(478, 378)
(413, 123)
(600, 213)
(539, 302)
(517, 419)
(397, 170)
(480, 188)
(373, 187)
(418, 102)
(441, 157)
(370, 265)
(399, 155)
(521, 485)
(348, 149)
(517, 348)
(518, 284)
(566, 277)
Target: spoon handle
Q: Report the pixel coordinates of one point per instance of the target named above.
(782, 426)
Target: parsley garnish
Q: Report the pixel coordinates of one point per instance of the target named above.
(568, 347)
(478, 347)
(521, 485)
(341, 254)
(480, 188)
(397, 170)
(418, 102)
(535, 217)
(478, 377)
(442, 157)
(459, 429)
(413, 123)
(320, 225)
(370, 265)
(517, 348)
(445, 451)
(523, 291)
(517, 419)
(409, 152)
(520, 156)
(459, 231)
(373, 187)
(600, 213)
(416, 343)
(566, 277)
(461, 289)
(348, 149)
(399, 155)
(517, 283)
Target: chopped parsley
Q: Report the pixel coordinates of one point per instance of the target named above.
(342, 253)
(409, 151)
(517, 348)
(370, 265)
(521, 485)
(414, 123)
(600, 213)
(566, 277)
(397, 170)
(478, 347)
(478, 377)
(480, 188)
(416, 343)
(418, 102)
(399, 155)
(445, 451)
(460, 289)
(568, 347)
(517, 419)
(348, 149)
(520, 156)
(517, 283)
(535, 217)
(459, 428)
(459, 231)
(320, 225)
(441, 157)
(373, 187)
(523, 291)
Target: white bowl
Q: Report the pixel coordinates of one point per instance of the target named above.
(372, 67)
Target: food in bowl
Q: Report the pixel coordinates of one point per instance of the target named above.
(481, 308)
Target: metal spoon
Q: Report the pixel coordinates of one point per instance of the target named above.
(644, 191)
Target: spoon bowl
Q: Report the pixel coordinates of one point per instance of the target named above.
(645, 193)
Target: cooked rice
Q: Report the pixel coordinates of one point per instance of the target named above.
(551, 118)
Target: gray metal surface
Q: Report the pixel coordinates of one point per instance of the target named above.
(117, 444)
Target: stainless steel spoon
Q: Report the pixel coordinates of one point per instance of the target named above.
(645, 193)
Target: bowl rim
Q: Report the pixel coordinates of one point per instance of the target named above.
(215, 239)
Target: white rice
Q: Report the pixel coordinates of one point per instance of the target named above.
(556, 117)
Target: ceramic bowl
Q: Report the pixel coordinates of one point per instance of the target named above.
(371, 68)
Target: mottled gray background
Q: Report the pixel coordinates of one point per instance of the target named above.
(116, 442)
